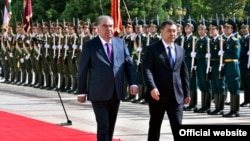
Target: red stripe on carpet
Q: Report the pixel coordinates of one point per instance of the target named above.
(19, 128)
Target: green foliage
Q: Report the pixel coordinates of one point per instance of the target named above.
(51, 10)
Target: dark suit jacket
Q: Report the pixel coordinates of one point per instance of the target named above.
(97, 77)
(158, 73)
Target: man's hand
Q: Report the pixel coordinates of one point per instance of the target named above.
(81, 98)
(187, 100)
(155, 94)
(133, 89)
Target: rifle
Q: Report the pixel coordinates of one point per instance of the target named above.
(139, 55)
(74, 46)
(192, 73)
(54, 46)
(208, 70)
(182, 41)
(248, 64)
(3, 46)
(66, 47)
(221, 69)
(46, 46)
(59, 46)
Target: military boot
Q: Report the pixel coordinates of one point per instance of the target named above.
(234, 106)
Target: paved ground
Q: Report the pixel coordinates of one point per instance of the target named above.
(132, 122)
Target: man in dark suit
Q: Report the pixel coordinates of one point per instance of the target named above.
(101, 76)
(167, 80)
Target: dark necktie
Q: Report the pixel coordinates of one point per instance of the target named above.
(109, 52)
(170, 56)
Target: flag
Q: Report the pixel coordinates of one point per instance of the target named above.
(7, 12)
(27, 14)
(116, 15)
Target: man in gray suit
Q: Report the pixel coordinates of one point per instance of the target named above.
(167, 80)
(104, 61)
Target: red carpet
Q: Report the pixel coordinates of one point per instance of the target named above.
(18, 128)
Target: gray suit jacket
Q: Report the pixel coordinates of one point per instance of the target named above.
(100, 79)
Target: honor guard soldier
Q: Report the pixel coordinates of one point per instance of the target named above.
(11, 36)
(202, 46)
(245, 62)
(137, 57)
(180, 36)
(64, 51)
(35, 55)
(94, 30)
(27, 48)
(189, 46)
(218, 83)
(145, 44)
(153, 29)
(17, 54)
(5, 49)
(59, 42)
(69, 55)
(231, 54)
(129, 41)
(52, 55)
(47, 56)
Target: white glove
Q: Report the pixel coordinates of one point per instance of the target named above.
(9, 38)
(27, 56)
(193, 54)
(59, 46)
(139, 49)
(5, 58)
(248, 53)
(28, 41)
(54, 47)
(39, 45)
(74, 46)
(46, 45)
(221, 52)
(66, 47)
(208, 55)
(11, 55)
(21, 60)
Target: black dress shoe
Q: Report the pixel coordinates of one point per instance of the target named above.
(202, 110)
(143, 101)
(216, 112)
(244, 104)
(190, 108)
(231, 114)
(128, 99)
(227, 102)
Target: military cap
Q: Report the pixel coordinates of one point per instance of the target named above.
(154, 23)
(231, 23)
(86, 24)
(191, 22)
(245, 23)
(46, 24)
(214, 23)
(129, 24)
(146, 22)
(203, 24)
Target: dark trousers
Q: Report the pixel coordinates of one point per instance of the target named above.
(157, 111)
(106, 114)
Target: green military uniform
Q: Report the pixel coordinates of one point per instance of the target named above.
(244, 63)
(189, 43)
(27, 62)
(231, 54)
(5, 49)
(201, 65)
(218, 83)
